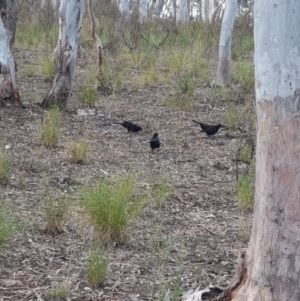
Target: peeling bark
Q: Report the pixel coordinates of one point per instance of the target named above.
(271, 268)
(70, 19)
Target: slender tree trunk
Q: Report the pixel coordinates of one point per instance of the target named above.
(8, 23)
(124, 9)
(181, 12)
(270, 270)
(159, 7)
(143, 11)
(224, 66)
(205, 10)
(70, 18)
(212, 6)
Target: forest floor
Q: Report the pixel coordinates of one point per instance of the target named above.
(193, 240)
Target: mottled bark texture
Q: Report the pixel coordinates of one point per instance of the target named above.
(270, 270)
(8, 23)
(70, 18)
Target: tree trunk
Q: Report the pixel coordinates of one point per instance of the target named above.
(270, 270)
(70, 18)
(124, 9)
(205, 10)
(8, 23)
(143, 11)
(181, 12)
(212, 6)
(159, 7)
(224, 66)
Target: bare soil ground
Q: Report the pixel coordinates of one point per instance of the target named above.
(193, 238)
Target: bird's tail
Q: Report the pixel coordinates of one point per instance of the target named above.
(197, 122)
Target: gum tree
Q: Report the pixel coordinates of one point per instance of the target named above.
(70, 18)
(8, 23)
(270, 270)
(182, 12)
(222, 76)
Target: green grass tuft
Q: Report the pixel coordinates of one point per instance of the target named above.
(79, 151)
(47, 67)
(55, 214)
(243, 72)
(5, 167)
(232, 118)
(5, 227)
(60, 292)
(51, 127)
(111, 207)
(187, 85)
(97, 267)
(246, 189)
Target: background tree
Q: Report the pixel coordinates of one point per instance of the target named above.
(182, 12)
(143, 10)
(270, 269)
(70, 19)
(224, 65)
(124, 9)
(8, 23)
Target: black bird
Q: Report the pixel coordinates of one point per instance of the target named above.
(209, 129)
(131, 127)
(154, 142)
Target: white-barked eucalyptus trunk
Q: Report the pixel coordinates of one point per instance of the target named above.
(222, 77)
(70, 19)
(143, 11)
(8, 21)
(182, 12)
(124, 9)
(270, 270)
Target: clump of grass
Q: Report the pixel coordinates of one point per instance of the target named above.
(60, 292)
(51, 127)
(244, 231)
(166, 288)
(97, 267)
(30, 35)
(160, 193)
(88, 95)
(246, 189)
(232, 118)
(111, 207)
(5, 167)
(55, 214)
(179, 102)
(29, 71)
(150, 76)
(244, 73)
(200, 68)
(5, 228)
(222, 93)
(245, 153)
(79, 151)
(187, 85)
(176, 61)
(48, 67)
